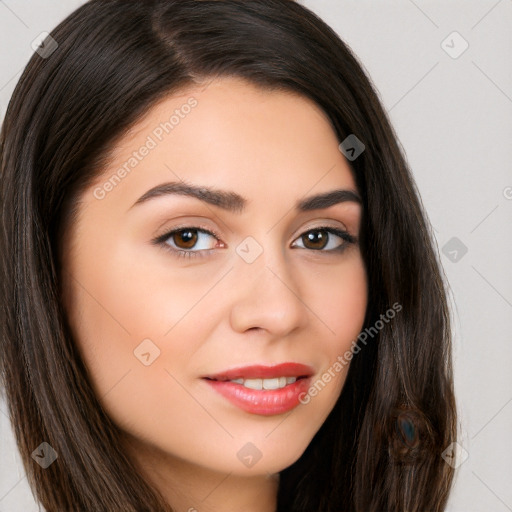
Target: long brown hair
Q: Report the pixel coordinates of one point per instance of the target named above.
(380, 448)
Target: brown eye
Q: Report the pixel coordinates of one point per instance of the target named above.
(326, 239)
(185, 239)
(316, 239)
(189, 241)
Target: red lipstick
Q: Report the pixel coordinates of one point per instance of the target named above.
(263, 390)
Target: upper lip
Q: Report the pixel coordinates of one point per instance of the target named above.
(264, 372)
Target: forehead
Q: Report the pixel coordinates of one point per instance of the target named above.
(229, 132)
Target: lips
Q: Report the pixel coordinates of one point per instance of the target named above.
(263, 390)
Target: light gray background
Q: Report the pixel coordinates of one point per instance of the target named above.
(453, 117)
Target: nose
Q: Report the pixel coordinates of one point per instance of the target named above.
(268, 296)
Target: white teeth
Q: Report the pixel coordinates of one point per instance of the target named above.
(272, 383)
(253, 383)
(275, 383)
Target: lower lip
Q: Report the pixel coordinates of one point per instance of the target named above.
(263, 402)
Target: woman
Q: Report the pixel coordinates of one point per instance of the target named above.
(220, 290)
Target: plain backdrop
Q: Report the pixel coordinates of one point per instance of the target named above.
(443, 71)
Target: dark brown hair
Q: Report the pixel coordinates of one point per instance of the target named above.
(380, 448)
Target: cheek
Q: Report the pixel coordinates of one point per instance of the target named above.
(129, 299)
(127, 312)
(339, 297)
(136, 371)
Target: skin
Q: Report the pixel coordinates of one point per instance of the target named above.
(207, 314)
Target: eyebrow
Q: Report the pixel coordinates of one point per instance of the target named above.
(235, 203)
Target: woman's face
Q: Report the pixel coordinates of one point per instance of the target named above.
(162, 324)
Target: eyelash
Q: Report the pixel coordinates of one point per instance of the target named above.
(181, 253)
